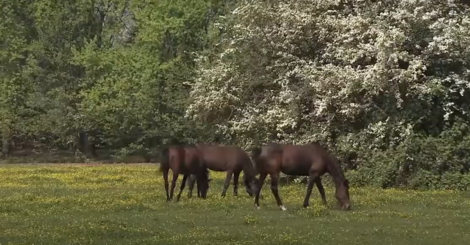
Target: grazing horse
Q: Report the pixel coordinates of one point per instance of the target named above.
(187, 161)
(302, 160)
(233, 160)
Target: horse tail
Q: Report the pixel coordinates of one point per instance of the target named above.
(165, 159)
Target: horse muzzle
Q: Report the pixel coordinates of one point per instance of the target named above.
(346, 207)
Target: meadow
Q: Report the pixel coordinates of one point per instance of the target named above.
(125, 204)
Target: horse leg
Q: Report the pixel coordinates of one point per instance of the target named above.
(173, 184)
(198, 187)
(236, 176)
(183, 184)
(165, 179)
(321, 190)
(275, 190)
(262, 177)
(227, 183)
(311, 180)
(199, 183)
(192, 180)
(198, 191)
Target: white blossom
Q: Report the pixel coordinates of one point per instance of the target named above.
(302, 65)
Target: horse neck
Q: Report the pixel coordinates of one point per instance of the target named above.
(249, 169)
(205, 174)
(335, 172)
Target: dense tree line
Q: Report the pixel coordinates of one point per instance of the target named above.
(384, 84)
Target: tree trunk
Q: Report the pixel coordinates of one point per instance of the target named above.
(86, 146)
(5, 147)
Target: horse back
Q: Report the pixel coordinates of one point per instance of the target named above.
(175, 156)
(193, 157)
(216, 157)
(175, 151)
(298, 160)
(267, 157)
(237, 153)
(269, 151)
(290, 159)
(323, 159)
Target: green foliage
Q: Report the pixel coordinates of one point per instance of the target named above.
(99, 73)
(421, 162)
(383, 80)
(385, 84)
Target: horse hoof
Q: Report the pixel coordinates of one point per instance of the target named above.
(282, 208)
(257, 207)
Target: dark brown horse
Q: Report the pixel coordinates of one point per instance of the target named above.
(233, 160)
(188, 161)
(302, 160)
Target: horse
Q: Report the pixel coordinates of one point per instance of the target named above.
(186, 160)
(302, 160)
(233, 160)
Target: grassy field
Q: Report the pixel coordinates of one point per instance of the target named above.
(119, 204)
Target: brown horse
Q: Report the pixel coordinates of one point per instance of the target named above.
(302, 160)
(233, 160)
(188, 161)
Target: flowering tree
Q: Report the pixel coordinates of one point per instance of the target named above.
(306, 70)
(359, 75)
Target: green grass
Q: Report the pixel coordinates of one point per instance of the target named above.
(119, 204)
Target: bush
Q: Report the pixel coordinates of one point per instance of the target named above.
(419, 162)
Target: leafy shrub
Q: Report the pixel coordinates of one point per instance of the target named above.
(419, 162)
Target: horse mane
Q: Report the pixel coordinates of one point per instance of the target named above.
(249, 171)
(256, 151)
(331, 162)
(335, 167)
